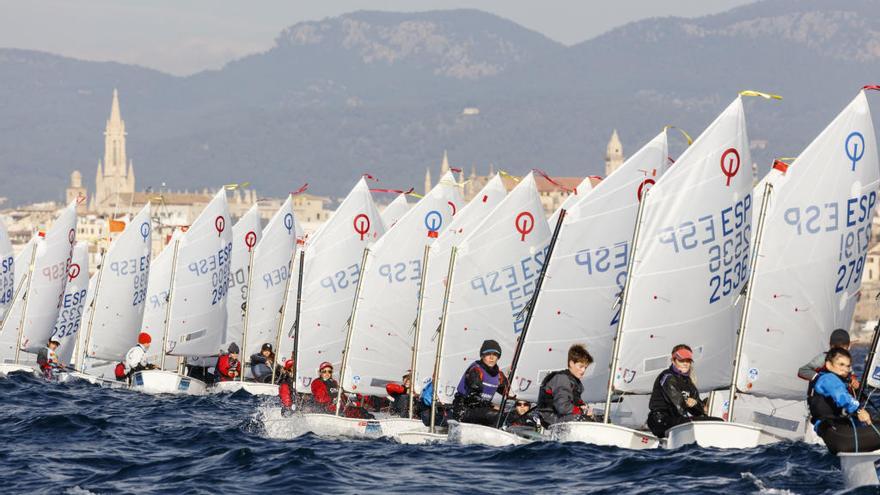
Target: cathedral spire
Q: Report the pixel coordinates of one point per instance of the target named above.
(613, 154)
(444, 167)
(115, 114)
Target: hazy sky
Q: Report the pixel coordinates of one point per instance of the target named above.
(185, 36)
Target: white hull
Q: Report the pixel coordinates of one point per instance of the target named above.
(471, 434)
(719, 435)
(392, 427)
(859, 469)
(7, 368)
(166, 382)
(603, 434)
(420, 437)
(252, 388)
(94, 380)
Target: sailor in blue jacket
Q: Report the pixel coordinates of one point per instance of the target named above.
(835, 412)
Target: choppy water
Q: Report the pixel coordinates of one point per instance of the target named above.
(78, 438)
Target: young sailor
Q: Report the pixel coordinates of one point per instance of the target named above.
(399, 394)
(559, 398)
(285, 388)
(522, 416)
(480, 382)
(228, 366)
(839, 340)
(48, 360)
(136, 357)
(837, 416)
(262, 362)
(675, 399)
(324, 389)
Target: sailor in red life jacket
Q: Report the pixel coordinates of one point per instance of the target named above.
(479, 384)
(228, 366)
(399, 395)
(135, 359)
(325, 389)
(48, 360)
(285, 388)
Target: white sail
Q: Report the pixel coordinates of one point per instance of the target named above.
(247, 230)
(115, 308)
(382, 337)
(579, 192)
(156, 304)
(197, 315)
(691, 260)
(48, 280)
(9, 337)
(812, 254)
(271, 270)
(331, 273)
(463, 223)
(396, 209)
(7, 271)
(496, 269)
(585, 276)
(67, 325)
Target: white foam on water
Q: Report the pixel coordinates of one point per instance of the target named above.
(762, 488)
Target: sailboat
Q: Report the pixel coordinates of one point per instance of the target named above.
(31, 319)
(117, 295)
(494, 276)
(691, 257)
(268, 274)
(434, 287)
(584, 280)
(381, 336)
(156, 303)
(331, 272)
(196, 311)
(395, 210)
(795, 301)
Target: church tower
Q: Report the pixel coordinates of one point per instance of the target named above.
(613, 154)
(427, 180)
(115, 173)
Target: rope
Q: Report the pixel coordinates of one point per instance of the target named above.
(855, 433)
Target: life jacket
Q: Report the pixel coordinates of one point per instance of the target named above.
(331, 386)
(119, 371)
(490, 383)
(545, 393)
(823, 408)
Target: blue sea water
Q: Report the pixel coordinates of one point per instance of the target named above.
(77, 438)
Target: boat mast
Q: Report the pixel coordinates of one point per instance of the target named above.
(434, 392)
(168, 307)
(741, 335)
(27, 289)
(417, 332)
(530, 309)
(93, 306)
(284, 312)
(354, 306)
(247, 303)
(623, 302)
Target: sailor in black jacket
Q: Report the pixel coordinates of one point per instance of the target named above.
(675, 399)
(559, 398)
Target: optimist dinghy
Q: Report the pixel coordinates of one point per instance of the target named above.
(30, 320)
(196, 311)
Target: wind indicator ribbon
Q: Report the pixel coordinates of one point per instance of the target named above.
(503, 173)
(870, 87)
(782, 163)
(766, 96)
(370, 177)
(395, 191)
(687, 137)
(550, 180)
(301, 189)
(237, 185)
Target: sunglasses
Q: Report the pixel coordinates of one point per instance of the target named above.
(327, 370)
(522, 404)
